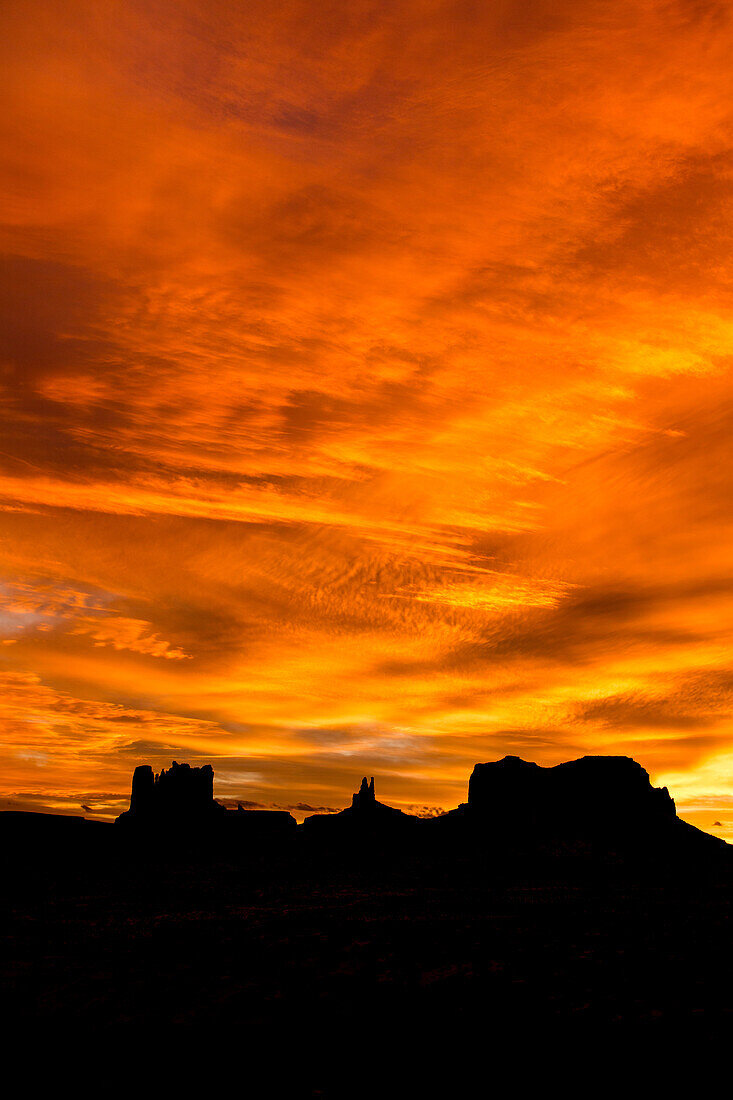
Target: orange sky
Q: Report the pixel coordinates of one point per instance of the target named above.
(366, 395)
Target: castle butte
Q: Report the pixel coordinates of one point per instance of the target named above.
(183, 798)
(594, 804)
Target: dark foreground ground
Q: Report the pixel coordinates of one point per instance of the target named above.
(358, 951)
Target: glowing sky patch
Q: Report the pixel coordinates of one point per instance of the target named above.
(366, 394)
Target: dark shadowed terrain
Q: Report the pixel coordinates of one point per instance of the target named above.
(368, 938)
(194, 944)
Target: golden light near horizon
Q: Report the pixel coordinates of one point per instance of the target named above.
(366, 394)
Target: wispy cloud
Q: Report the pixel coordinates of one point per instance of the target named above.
(365, 374)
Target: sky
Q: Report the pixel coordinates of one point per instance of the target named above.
(366, 396)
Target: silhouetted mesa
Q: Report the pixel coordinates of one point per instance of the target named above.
(592, 789)
(183, 798)
(182, 792)
(606, 802)
(365, 818)
(591, 808)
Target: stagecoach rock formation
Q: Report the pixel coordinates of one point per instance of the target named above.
(364, 797)
(365, 818)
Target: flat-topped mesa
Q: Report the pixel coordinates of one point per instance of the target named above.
(593, 790)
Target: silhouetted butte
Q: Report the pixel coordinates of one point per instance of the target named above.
(181, 801)
(365, 820)
(595, 805)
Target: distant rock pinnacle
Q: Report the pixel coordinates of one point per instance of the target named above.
(364, 796)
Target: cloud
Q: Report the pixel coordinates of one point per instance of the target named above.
(132, 634)
(303, 807)
(366, 400)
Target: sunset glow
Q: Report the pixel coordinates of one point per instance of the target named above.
(366, 394)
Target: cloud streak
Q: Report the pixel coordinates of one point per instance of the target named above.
(365, 389)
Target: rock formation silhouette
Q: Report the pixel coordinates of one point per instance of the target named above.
(562, 895)
(182, 793)
(364, 796)
(182, 799)
(593, 789)
(598, 806)
(366, 819)
(595, 808)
